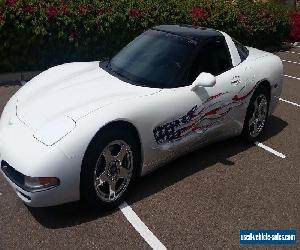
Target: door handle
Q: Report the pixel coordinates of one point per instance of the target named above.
(236, 80)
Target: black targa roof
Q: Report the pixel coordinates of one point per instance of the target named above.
(189, 31)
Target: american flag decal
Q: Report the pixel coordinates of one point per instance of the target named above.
(169, 131)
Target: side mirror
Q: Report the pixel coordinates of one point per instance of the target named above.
(204, 80)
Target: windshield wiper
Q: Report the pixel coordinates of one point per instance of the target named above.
(104, 62)
(141, 83)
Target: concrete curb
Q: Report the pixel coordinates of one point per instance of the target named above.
(18, 77)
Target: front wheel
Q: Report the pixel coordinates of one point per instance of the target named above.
(257, 114)
(110, 168)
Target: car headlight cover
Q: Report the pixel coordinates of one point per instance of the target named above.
(54, 131)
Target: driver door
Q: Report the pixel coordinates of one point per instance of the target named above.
(207, 113)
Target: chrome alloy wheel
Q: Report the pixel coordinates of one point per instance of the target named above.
(113, 171)
(259, 115)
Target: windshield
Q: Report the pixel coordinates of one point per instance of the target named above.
(154, 59)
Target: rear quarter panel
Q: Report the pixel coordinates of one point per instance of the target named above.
(267, 66)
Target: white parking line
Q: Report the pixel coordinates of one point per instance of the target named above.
(290, 62)
(259, 144)
(140, 227)
(292, 52)
(293, 103)
(293, 77)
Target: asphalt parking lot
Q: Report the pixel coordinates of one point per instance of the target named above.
(199, 201)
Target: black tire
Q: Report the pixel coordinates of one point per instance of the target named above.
(91, 160)
(248, 134)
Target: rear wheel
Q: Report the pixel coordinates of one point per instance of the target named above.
(257, 114)
(110, 168)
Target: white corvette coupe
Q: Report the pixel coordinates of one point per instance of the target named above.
(87, 130)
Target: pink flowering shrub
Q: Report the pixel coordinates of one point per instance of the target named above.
(37, 34)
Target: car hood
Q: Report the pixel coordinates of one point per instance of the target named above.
(72, 90)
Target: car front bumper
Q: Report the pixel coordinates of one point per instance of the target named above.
(21, 151)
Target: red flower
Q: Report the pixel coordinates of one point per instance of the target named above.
(294, 35)
(295, 18)
(28, 9)
(134, 12)
(199, 13)
(11, 2)
(82, 9)
(241, 18)
(52, 12)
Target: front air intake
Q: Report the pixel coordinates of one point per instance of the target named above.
(15, 176)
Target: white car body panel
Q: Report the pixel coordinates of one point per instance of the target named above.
(46, 133)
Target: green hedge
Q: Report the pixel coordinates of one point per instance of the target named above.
(37, 34)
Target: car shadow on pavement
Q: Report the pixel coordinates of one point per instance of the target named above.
(67, 215)
(76, 213)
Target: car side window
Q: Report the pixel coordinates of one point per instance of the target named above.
(213, 58)
(242, 50)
